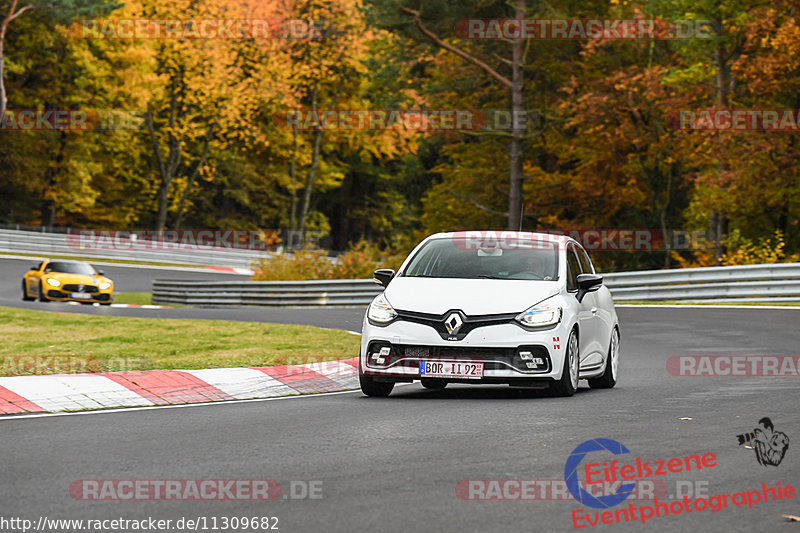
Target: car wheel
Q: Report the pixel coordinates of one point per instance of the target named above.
(42, 297)
(25, 296)
(379, 389)
(568, 384)
(609, 377)
(433, 383)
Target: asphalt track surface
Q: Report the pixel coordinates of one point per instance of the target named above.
(393, 464)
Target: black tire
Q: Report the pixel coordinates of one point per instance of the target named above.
(609, 377)
(42, 297)
(568, 384)
(377, 389)
(25, 296)
(433, 383)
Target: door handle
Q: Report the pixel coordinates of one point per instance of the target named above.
(594, 310)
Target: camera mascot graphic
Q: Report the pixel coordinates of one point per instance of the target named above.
(770, 445)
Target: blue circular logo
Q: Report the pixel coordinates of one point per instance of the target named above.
(571, 474)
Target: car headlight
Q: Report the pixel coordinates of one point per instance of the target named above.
(53, 282)
(381, 311)
(105, 285)
(543, 314)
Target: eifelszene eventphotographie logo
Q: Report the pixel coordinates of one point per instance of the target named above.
(770, 445)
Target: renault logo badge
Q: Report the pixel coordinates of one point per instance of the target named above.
(453, 323)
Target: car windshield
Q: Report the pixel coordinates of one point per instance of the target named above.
(70, 268)
(461, 258)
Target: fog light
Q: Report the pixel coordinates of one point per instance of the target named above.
(538, 361)
(531, 365)
(379, 356)
(526, 356)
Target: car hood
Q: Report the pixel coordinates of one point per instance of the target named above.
(472, 296)
(80, 279)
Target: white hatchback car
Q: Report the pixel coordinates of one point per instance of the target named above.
(524, 309)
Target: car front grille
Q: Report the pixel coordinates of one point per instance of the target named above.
(80, 288)
(437, 322)
(493, 358)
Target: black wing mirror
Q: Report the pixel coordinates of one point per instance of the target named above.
(35, 268)
(383, 276)
(588, 283)
(101, 273)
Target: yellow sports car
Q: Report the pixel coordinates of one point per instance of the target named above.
(67, 281)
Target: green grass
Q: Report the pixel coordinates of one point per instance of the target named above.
(679, 302)
(49, 342)
(135, 298)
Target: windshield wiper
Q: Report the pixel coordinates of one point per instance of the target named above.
(483, 276)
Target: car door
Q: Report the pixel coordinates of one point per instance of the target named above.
(600, 316)
(586, 308)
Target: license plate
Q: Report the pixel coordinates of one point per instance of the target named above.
(81, 295)
(450, 369)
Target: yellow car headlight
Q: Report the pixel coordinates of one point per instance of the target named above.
(105, 285)
(53, 282)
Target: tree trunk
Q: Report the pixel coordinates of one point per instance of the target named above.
(291, 238)
(193, 176)
(664, 212)
(167, 168)
(311, 175)
(10, 16)
(516, 158)
(719, 223)
(50, 181)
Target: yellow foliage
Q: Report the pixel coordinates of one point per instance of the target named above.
(743, 251)
(358, 263)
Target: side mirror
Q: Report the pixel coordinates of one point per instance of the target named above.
(588, 283)
(101, 273)
(34, 268)
(383, 276)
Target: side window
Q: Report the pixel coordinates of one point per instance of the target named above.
(40, 266)
(586, 264)
(573, 269)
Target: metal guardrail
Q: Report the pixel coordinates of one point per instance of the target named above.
(780, 282)
(33, 242)
(342, 293)
(732, 283)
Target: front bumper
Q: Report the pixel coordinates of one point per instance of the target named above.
(61, 296)
(510, 353)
